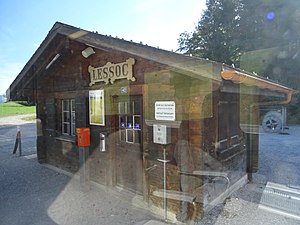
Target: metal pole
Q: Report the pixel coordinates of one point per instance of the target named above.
(165, 161)
(165, 185)
(84, 167)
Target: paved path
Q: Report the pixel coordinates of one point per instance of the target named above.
(31, 193)
(16, 120)
(34, 194)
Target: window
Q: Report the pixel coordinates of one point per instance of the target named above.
(130, 121)
(68, 117)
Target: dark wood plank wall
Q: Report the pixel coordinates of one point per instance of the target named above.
(197, 107)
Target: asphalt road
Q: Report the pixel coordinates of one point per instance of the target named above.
(31, 193)
(280, 157)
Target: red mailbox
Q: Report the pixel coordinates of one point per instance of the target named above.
(83, 137)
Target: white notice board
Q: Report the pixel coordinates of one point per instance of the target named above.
(165, 110)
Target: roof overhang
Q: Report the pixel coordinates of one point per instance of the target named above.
(198, 68)
(191, 66)
(263, 86)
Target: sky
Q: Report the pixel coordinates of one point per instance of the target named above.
(25, 24)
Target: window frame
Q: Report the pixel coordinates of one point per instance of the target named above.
(71, 115)
(129, 133)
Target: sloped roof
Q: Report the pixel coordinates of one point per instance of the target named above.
(192, 66)
(239, 77)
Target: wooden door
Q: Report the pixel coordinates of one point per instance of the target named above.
(129, 155)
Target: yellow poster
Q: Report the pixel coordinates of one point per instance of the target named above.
(96, 101)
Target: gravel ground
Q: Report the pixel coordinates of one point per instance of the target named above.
(279, 163)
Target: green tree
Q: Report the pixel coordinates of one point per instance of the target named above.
(269, 26)
(268, 23)
(260, 36)
(228, 28)
(215, 35)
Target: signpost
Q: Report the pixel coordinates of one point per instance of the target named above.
(164, 111)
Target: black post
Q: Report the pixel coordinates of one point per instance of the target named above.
(18, 142)
(20, 146)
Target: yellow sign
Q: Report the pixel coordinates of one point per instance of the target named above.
(111, 72)
(96, 102)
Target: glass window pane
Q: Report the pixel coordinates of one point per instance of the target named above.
(73, 105)
(122, 107)
(130, 122)
(122, 120)
(129, 108)
(137, 136)
(66, 117)
(129, 136)
(66, 128)
(137, 122)
(137, 107)
(122, 135)
(73, 117)
(66, 105)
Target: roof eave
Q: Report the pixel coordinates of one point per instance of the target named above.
(239, 77)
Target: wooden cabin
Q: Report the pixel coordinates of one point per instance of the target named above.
(168, 127)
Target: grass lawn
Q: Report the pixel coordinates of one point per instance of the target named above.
(14, 108)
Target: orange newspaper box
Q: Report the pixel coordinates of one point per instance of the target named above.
(83, 137)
